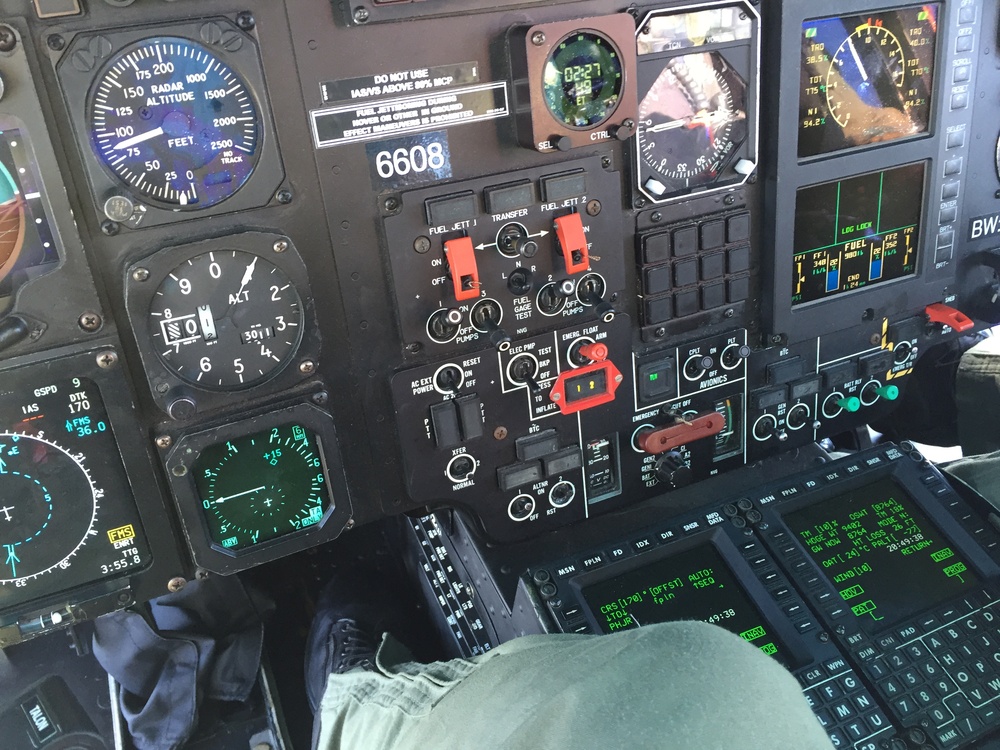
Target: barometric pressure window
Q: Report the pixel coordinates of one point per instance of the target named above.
(173, 124)
(856, 232)
(866, 79)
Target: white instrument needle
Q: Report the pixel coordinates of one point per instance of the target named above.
(857, 59)
(240, 494)
(137, 139)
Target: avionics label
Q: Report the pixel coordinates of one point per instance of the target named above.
(399, 82)
(984, 226)
(352, 123)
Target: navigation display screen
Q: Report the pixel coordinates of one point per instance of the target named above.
(693, 585)
(866, 79)
(883, 555)
(856, 232)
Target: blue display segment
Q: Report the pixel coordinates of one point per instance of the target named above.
(175, 123)
(876, 272)
(833, 280)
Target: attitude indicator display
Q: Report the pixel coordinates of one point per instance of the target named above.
(856, 232)
(866, 79)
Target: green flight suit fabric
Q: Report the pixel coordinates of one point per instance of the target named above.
(685, 685)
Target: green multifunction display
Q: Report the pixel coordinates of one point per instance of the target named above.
(262, 486)
(583, 80)
(856, 232)
(881, 553)
(693, 585)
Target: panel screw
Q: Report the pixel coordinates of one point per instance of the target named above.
(729, 200)
(246, 21)
(8, 39)
(556, 397)
(176, 584)
(606, 162)
(321, 398)
(413, 348)
(656, 217)
(361, 15)
(729, 313)
(56, 42)
(107, 360)
(90, 321)
(110, 228)
(179, 471)
(538, 38)
(500, 433)
(124, 598)
(284, 196)
(201, 574)
(307, 367)
(140, 274)
(422, 244)
(640, 203)
(593, 207)
(776, 338)
(875, 339)
(660, 333)
(391, 204)
(280, 246)
(163, 442)
(350, 524)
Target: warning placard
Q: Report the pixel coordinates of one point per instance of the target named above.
(352, 123)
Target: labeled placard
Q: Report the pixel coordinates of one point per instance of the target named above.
(399, 82)
(353, 123)
(413, 160)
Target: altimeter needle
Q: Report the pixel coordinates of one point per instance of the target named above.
(137, 139)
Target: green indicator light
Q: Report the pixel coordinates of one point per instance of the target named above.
(811, 32)
(942, 554)
(851, 404)
(654, 376)
(769, 648)
(922, 15)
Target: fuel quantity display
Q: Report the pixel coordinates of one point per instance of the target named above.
(866, 79)
(856, 232)
(67, 516)
(174, 124)
(262, 486)
(693, 585)
(881, 553)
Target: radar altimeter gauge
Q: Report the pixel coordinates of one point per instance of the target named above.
(174, 124)
(225, 320)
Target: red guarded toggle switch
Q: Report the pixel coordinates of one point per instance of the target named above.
(461, 257)
(659, 440)
(948, 316)
(594, 352)
(573, 242)
(593, 385)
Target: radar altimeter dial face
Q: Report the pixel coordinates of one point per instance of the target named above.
(48, 507)
(176, 125)
(262, 486)
(226, 320)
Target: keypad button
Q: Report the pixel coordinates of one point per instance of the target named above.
(940, 715)
(877, 669)
(958, 704)
(924, 697)
(943, 686)
(962, 678)
(812, 699)
(929, 669)
(947, 659)
(856, 730)
(969, 724)
(910, 677)
(980, 668)
(824, 719)
(838, 739)
(915, 651)
(842, 710)
(896, 660)
(835, 666)
(949, 737)
(891, 687)
(887, 641)
(863, 702)
(905, 706)
(849, 682)
(829, 691)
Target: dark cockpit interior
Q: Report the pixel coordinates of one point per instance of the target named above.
(537, 317)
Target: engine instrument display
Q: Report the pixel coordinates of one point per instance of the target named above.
(25, 234)
(881, 553)
(583, 79)
(226, 320)
(177, 126)
(263, 486)
(67, 517)
(696, 584)
(866, 79)
(856, 232)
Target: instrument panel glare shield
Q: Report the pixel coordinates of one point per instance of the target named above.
(856, 232)
(67, 514)
(881, 553)
(866, 79)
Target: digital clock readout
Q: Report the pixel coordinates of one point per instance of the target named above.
(583, 80)
(693, 585)
(881, 553)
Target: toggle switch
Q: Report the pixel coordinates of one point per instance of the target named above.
(461, 256)
(573, 242)
(659, 440)
(943, 315)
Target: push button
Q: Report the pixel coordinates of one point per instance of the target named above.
(451, 209)
(559, 187)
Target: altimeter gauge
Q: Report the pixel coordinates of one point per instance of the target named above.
(225, 320)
